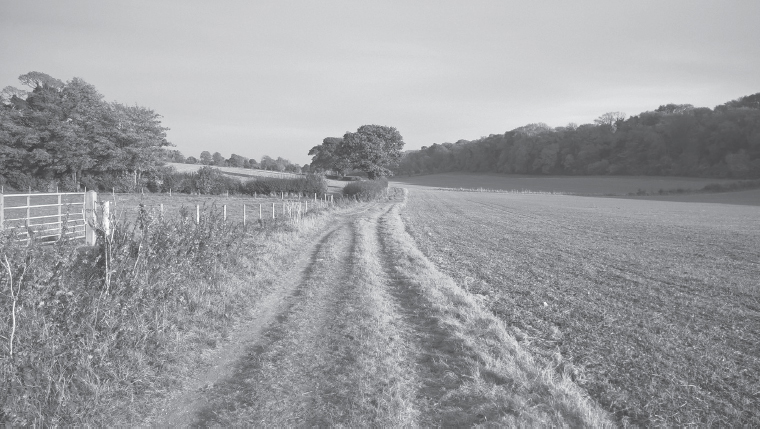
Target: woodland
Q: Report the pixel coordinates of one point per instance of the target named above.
(673, 140)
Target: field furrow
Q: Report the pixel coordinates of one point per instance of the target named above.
(650, 306)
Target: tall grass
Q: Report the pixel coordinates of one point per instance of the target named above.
(83, 329)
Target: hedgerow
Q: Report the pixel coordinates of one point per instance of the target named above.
(366, 190)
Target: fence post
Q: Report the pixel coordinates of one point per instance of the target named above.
(2, 210)
(197, 214)
(306, 209)
(224, 208)
(243, 214)
(259, 211)
(28, 207)
(272, 210)
(60, 219)
(90, 217)
(106, 218)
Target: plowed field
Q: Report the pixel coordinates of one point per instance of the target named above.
(653, 307)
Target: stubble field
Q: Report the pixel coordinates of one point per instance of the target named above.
(653, 307)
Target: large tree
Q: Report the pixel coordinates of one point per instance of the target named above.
(372, 149)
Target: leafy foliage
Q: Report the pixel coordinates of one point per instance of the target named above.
(66, 130)
(673, 140)
(372, 149)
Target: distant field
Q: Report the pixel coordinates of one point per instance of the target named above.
(653, 307)
(581, 185)
(126, 205)
(247, 173)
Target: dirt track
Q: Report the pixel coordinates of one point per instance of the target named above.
(361, 331)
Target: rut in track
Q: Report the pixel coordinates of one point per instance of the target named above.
(366, 332)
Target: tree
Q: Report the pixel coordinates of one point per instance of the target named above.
(206, 158)
(372, 149)
(611, 119)
(323, 156)
(237, 161)
(191, 160)
(218, 159)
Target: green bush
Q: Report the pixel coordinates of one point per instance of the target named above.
(366, 190)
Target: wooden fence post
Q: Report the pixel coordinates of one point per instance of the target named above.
(2, 210)
(272, 210)
(60, 219)
(197, 214)
(224, 208)
(260, 211)
(243, 214)
(106, 218)
(90, 217)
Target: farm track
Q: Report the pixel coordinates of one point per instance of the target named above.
(363, 331)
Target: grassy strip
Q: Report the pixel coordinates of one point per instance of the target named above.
(500, 382)
(92, 326)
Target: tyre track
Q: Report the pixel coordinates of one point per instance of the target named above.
(192, 404)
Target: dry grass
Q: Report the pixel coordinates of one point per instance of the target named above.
(83, 344)
(652, 307)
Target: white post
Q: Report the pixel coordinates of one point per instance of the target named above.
(60, 219)
(2, 208)
(315, 197)
(197, 214)
(243, 214)
(272, 210)
(162, 209)
(259, 211)
(106, 218)
(90, 217)
(306, 209)
(224, 207)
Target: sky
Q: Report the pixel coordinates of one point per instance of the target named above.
(276, 77)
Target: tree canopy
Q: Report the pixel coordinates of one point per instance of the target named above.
(59, 131)
(674, 139)
(373, 149)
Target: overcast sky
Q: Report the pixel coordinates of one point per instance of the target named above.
(275, 77)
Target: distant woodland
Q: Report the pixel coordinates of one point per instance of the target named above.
(674, 140)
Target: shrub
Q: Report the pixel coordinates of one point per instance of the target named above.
(366, 190)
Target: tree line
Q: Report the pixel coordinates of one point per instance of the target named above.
(235, 160)
(674, 139)
(54, 134)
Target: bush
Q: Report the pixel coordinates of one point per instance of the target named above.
(366, 190)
